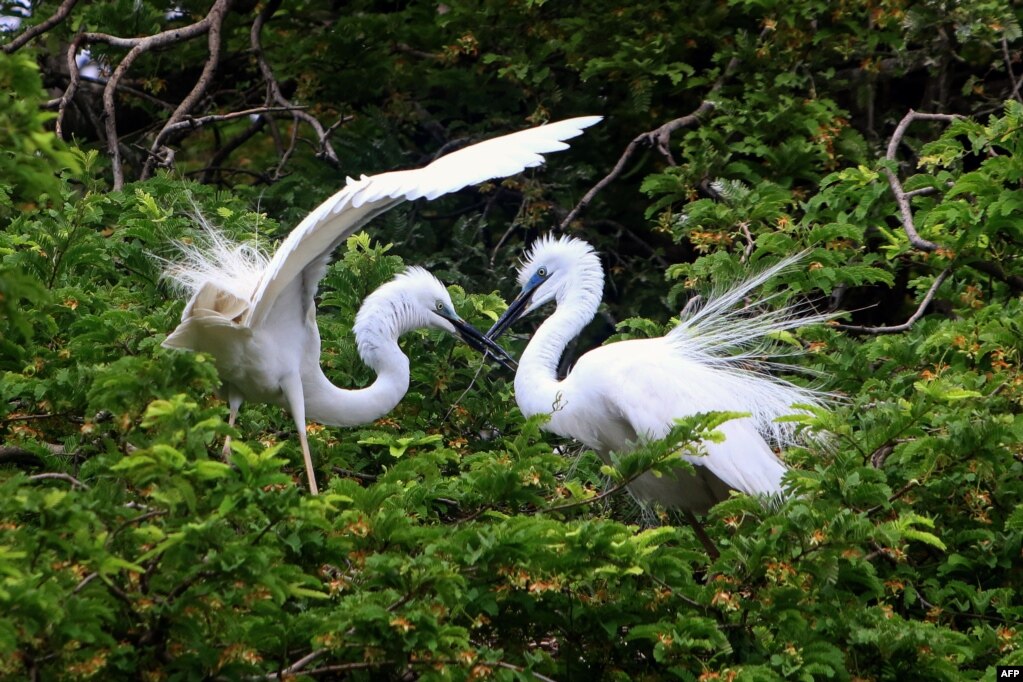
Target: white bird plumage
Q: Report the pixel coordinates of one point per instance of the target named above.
(256, 314)
(631, 391)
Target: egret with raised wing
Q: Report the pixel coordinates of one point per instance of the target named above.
(256, 315)
(627, 392)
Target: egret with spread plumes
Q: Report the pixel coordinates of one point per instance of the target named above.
(256, 315)
(624, 393)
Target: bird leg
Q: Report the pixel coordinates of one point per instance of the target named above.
(296, 401)
(310, 474)
(235, 402)
(701, 534)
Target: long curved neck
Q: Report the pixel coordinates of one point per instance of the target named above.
(537, 389)
(377, 341)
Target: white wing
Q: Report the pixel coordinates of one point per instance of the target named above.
(645, 387)
(312, 241)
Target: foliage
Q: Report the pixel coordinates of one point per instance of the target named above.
(455, 539)
(31, 156)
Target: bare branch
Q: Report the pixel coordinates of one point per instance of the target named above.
(215, 20)
(60, 15)
(744, 226)
(190, 122)
(137, 47)
(880, 456)
(901, 196)
(279, 171)
(405, 48)
(1015, 282)
(338, 668)
(274, 93)
(659, 137)
(1008, 69)
(10, 454)
(85, 581)
(518, 669)
(922, 192)
(29, 417)
(895, 329)
(293, 668)
(60, 477)
(75, 77)
(221, 155)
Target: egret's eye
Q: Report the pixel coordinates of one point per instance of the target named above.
(542, 272)
(440, 306)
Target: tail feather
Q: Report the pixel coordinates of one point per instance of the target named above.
(736, 339)
(216, 261)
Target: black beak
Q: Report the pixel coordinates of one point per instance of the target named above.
(481, 344)
(516, 309)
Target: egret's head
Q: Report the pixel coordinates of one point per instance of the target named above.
(416, 299)
(553, 268)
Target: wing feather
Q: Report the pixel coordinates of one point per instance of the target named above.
(670, 390)
(312, 241)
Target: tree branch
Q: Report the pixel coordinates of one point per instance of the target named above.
(189, 122)
(1015, 282)
(1008, 69)
(895, 329)
(274, 94)
(137, 47)
(60, 477)
(659, 137)
(901, 196)
(60, 15)
(220, 156)
(215, 22)
(75, 77)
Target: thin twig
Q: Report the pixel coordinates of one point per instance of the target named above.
(85, 581)
(675, 593)
(744, 226)
(895, 329)
(325, 150)
(659, 138)
(261, 177)
(75, 76)
(319, 653)
(63, 10)
(701, 534)
(1008, 69)
(923, 191)
(596, 498)
(30, 417)
(60, 477)
(901, 196)
(483, 363)
(292, 143)
(190, 122)
(369, 478)
(222, 154)
(518, 669)
(138, 519)
(337, 668)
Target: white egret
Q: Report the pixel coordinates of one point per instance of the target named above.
(256, 315)
(627, 392)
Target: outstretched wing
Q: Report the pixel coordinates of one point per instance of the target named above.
(310, 244)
